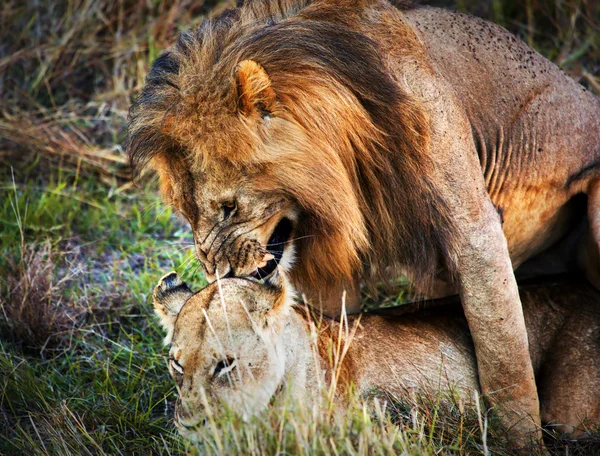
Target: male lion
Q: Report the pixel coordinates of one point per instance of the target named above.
(375, 139)
(240, 342)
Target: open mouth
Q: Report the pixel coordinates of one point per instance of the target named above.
(275, 246)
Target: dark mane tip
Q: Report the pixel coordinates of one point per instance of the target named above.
(165, 63)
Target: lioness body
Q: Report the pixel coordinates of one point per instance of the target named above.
(436, 351)
(375, 140)
(271, 349)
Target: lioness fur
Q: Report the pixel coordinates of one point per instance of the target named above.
(376, 139)
(241, 342)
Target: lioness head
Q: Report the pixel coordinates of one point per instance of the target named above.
(225, 346)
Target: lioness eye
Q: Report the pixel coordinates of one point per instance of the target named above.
(176, 366)
(228, 208)
(223, 367)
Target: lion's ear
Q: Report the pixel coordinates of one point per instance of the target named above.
(256, 96)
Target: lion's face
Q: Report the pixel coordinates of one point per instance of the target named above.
(238, 229)
(226, 348)
(224, 176)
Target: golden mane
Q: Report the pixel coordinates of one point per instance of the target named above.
(365, 190)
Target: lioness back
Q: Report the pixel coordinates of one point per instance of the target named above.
(435, 354)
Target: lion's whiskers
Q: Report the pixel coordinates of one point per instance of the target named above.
(196, 268)
(289, 241)
(188, 261)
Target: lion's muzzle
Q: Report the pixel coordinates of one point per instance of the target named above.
(247, 251)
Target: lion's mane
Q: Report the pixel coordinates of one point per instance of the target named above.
(366, 191)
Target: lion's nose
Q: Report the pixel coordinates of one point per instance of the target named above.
(188, 417)
(201, 254)
(223, 272)
(210, 267)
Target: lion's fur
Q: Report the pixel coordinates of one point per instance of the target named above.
(364, 170)
(394, 354)
(406, 139)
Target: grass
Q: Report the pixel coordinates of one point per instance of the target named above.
(97, 383)
(82, 367)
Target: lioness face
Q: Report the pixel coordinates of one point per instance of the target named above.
(225, 349)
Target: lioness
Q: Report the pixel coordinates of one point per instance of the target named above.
(240, 341)
(375, 139)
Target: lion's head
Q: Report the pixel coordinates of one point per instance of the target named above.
(225, 344)
(277, 126)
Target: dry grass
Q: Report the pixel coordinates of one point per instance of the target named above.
(36, 314)
(68, 70)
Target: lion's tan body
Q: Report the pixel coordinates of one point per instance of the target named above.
(534, 128)
(433, 354)
(375, 139)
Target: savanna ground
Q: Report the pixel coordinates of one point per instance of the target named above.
(82, 367)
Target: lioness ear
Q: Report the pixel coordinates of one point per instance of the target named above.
(170, 294)
(255, 93)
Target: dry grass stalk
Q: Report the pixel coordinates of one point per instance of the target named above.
(68, 72)
(35, 311)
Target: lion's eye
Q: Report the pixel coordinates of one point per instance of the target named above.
(176, 366)
(228, 208)
(223, 367)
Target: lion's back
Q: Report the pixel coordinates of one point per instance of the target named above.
(536, 130)
(505, 85)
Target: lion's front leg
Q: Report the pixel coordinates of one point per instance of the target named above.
(589, 250)
(482, 270)
(492, 306)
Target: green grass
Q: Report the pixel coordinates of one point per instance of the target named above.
(101, 381)
(100, 385)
